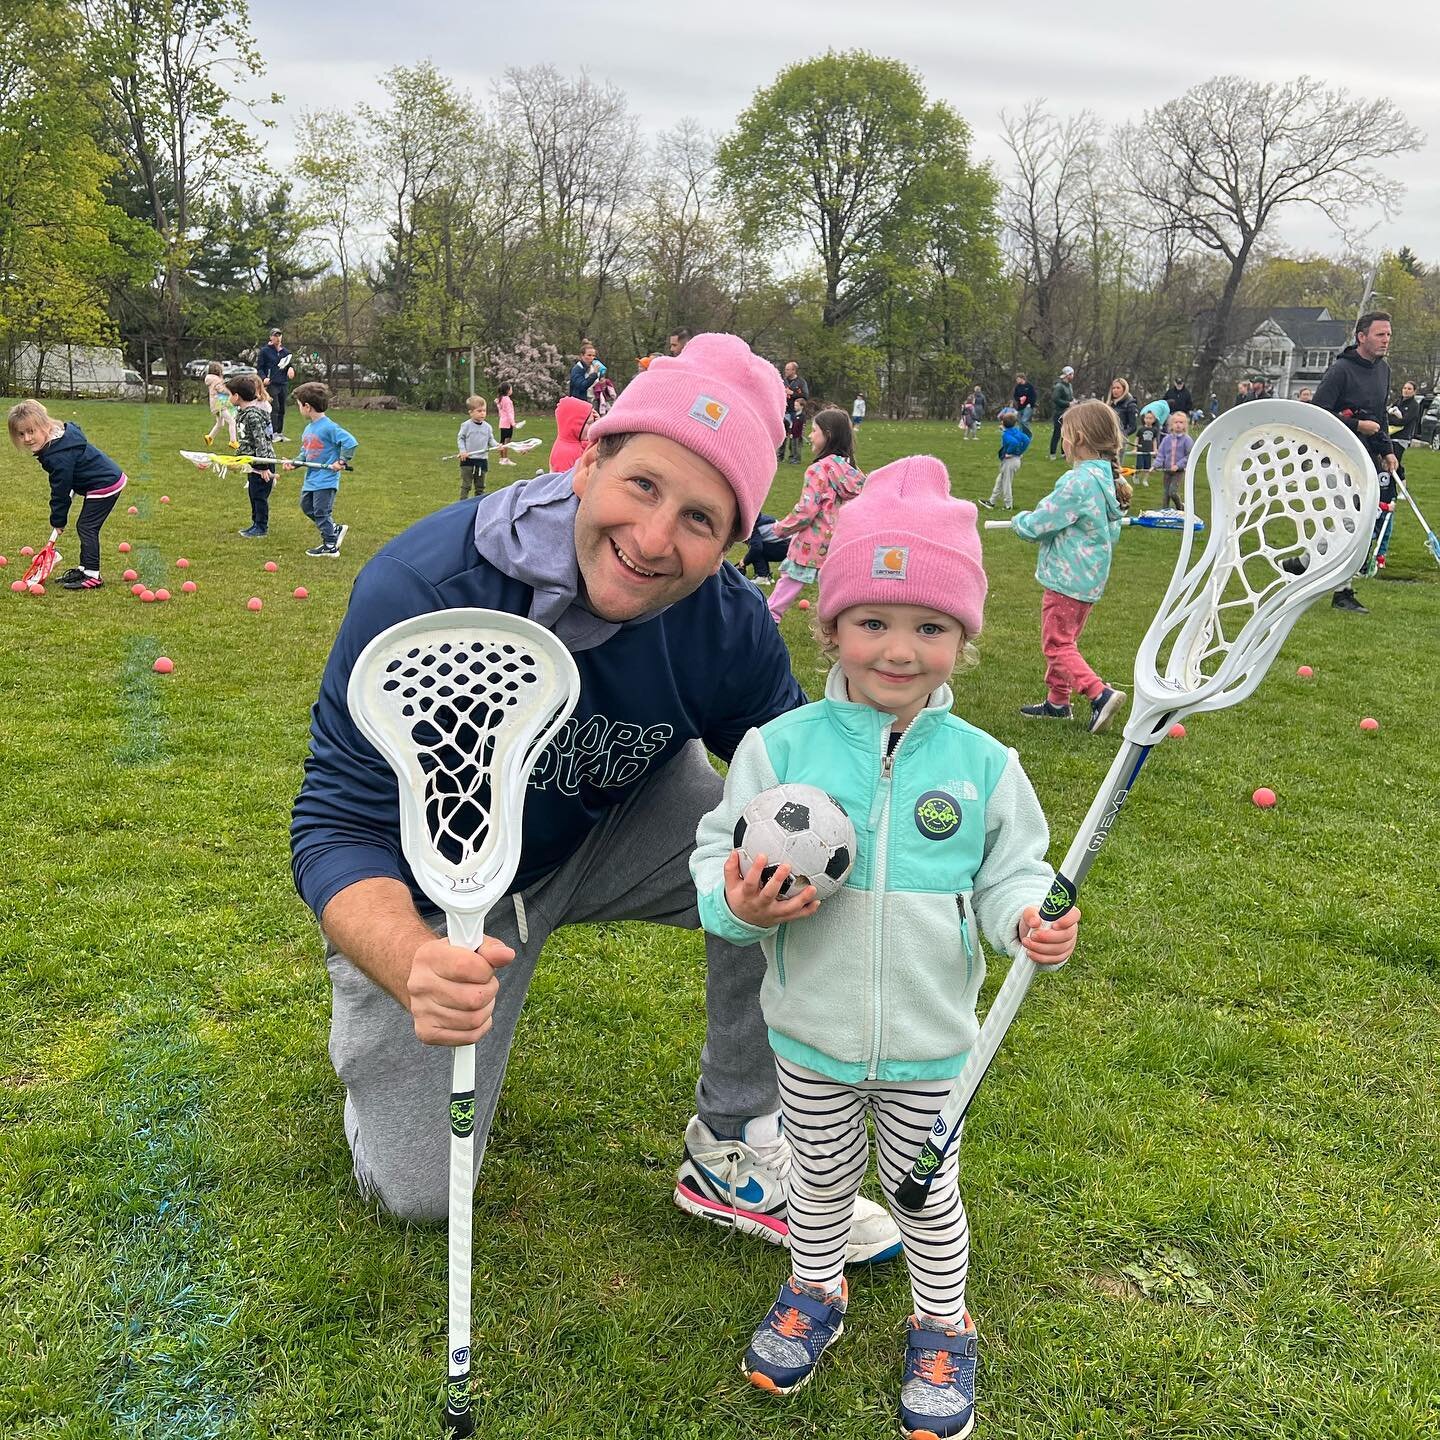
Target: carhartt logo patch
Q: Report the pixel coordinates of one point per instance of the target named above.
(890, 562)
(709, 412)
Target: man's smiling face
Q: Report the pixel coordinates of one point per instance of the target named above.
(654, 523)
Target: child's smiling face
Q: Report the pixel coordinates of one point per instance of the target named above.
(893, 656)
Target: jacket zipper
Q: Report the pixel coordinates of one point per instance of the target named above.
(780, 955)
(880, 825)
(965, 938)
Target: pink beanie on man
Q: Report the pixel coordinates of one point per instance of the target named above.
(718, 399)
(905, 540)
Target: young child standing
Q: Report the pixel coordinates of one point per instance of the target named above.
(326, 445)
(831, 479)
(505, 413)
(872, 1019)
(1014, 442)
(220, 405)
(474, 442)
(969, 421)
(1172, 458)
(1077, 525)
(1153, 419)
(75, 467)
(253, 422)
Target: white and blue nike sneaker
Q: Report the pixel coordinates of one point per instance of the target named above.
(741, 1183)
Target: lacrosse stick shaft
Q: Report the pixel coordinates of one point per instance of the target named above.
(1091, 836)
(466, 931)
(1432, 543)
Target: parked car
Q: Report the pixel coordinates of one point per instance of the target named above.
(1430, 424)
(236, 367)
(343, 373)
(196, 369)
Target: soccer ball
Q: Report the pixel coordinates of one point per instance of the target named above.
(799, 826)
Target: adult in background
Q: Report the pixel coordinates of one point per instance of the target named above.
(1023, 400)
(1178, 397)
(977, 399)
(1062, 397)
(1124, 404)
(797, 396)
(679, 339)
(622, 558)
(277, 370)
(1356, 389)
(1405, 416)
(585, 372)
(1242, 392)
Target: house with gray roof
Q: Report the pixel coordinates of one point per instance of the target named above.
(1289, 347)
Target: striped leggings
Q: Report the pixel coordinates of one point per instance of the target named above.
(825, 1122)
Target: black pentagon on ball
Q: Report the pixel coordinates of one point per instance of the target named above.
(839, 862)
(793, 817)
(768, 874)
(740, 828)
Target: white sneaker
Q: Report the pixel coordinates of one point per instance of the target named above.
(753, 1171)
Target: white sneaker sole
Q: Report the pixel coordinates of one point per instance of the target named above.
(767, 1227)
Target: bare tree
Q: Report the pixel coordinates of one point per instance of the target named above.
(1219, 163)
(581, 151)
(1048, 210)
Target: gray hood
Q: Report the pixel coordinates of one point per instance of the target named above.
(527, 531)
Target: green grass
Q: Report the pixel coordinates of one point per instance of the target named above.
(1228, 1100)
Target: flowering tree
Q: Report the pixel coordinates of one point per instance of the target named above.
(530, 363)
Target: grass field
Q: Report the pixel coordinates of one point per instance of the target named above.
(1201, 1177)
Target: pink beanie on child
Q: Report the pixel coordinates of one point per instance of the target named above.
(718, 399)
(905, 540)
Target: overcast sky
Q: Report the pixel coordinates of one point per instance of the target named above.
(675, 58)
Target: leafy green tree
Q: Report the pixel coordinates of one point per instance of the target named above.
(170, 75)
(848, 148)
(62, 244)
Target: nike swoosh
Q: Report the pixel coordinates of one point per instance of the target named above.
(751, 1192)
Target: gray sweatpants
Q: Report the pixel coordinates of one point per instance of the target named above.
(634, 866)
(1003, 493)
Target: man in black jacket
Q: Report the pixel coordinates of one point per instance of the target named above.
(276, 370)
(1177, 397)
(1356, 389)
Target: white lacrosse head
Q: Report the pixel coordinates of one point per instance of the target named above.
(461, 703)
(1289, 484)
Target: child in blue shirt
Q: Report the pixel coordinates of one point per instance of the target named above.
(1014, 442)
(326, 446)
(869, 997)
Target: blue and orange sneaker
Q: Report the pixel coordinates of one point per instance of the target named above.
(937, 1395)
(787, 1346)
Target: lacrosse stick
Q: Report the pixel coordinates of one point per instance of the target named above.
(204, 460)
(461, 703)
(1375, 558)
(518, 446)
(1288, 483)
(1146, 519)
(46, 559)
(1432, 544)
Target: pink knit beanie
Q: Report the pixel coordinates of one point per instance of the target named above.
(904, 540)
(718, 399)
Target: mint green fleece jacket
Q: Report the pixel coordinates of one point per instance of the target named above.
(1077, 525)
(881, 982)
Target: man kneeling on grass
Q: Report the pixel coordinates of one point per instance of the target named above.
(622, 557)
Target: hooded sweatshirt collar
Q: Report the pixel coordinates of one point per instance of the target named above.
(527, 531)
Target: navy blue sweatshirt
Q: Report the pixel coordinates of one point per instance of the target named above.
(710, 667)
(75, 466)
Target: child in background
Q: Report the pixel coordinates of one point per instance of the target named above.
(602, 395)
(326, 445)
(75, 467)
(1153, 419)
(220, 405)
(1077, 525)
(831, 479)
(857, 412)
(474, 442)
(505, 413)
(1014, 442)
(969, 421)
(1173, 456)
(763, 546)
(262, 399)
(868, 1018)
(572, 421)
(253, 422)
